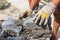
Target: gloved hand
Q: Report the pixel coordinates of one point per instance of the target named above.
(27, 13)
(42, 16)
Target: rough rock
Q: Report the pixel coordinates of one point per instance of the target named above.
(14, 38)
(32, 26)
(10, 26)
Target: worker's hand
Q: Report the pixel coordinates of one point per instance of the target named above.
(27, 13)
(42, 16)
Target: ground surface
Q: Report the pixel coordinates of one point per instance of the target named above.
(10, 11)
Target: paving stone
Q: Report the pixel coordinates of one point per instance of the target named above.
(14, 38)
(32, 26)
(10, 26)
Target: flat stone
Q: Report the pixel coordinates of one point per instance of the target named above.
(41, 33)
(32, 26)
(10, 26)
(14, 38)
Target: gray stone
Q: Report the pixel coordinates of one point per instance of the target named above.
(41, 33)
(32, 26)
(10, 26)
(4, 34)
(14, 38)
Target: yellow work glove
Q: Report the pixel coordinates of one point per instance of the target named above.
(42, 16)
(27, 13)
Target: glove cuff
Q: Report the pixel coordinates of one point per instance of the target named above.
(49, 8)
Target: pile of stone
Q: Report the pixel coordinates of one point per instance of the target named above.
(12, 29)
(20, 28)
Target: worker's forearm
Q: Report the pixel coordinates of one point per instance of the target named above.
(55, 2)
(33, 4)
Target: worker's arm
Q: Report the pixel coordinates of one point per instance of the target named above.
(33, 4)
(45, 12)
